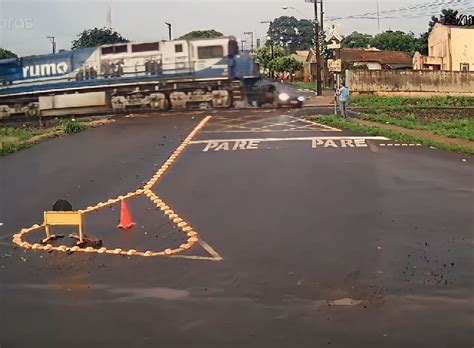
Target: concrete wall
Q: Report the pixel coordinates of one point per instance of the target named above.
(416, 83)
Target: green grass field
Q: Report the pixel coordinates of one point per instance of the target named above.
(371, 101)
(15, 139)
(444, 115)
(452, 127)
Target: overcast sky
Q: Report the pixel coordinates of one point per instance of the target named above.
(25, 24)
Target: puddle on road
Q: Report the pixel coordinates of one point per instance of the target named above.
(147, 293)
(345, 302)
(117, 294)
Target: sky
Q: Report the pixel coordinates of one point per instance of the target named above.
(26, 24)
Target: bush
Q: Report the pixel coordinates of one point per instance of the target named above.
(72, 127)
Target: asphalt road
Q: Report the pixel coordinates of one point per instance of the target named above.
(327, 238)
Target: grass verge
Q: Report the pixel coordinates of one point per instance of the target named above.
(462, 128)
(16, 139)
(372, 101)
(339, 122)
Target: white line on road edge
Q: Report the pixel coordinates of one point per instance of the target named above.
(398, 145)
(289, 139)
(215, 255)
(210, 250)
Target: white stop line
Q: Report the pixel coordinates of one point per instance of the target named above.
(316, 142)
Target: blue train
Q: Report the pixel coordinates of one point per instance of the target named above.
(160, 75)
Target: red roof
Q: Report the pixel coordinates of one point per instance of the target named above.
(357, 55)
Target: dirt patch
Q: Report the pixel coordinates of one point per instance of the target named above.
(41, 137)
(57, 133)
(98, 123)
(418, 133)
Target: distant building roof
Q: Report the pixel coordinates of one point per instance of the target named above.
(438, 26)
(355, 55)
(301, 56)
(302, 53)
(454, 26)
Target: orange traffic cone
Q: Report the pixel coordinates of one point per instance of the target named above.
(125, 217)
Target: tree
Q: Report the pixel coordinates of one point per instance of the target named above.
(396, 41)
(5, 54)
(445, 13)
(96, 37)
(286, 64)
(357, 40)
(423, 43)
(292, 33)
(264, 55)
(201, 34)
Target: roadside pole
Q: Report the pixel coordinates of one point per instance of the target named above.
(338, 85)
(316, 47)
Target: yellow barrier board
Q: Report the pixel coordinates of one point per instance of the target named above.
(63, 218)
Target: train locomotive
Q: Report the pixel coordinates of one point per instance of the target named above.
(158, 75)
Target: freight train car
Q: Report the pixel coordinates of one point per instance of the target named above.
(157, 75)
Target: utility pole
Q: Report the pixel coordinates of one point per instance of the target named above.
(322, 16)
(53, 42)
(318, 53)
(251, 39)
(242, 43)
(321, 59)
(109, 15)
(169, 30)
(270, 38)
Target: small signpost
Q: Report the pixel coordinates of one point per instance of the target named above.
(335, 65)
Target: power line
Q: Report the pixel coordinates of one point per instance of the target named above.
(439, 4)
(434, 13)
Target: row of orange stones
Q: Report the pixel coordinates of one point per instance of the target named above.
(17, 239)
(112, 201)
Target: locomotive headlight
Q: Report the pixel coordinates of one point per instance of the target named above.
(301, 98)
(284, 97)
